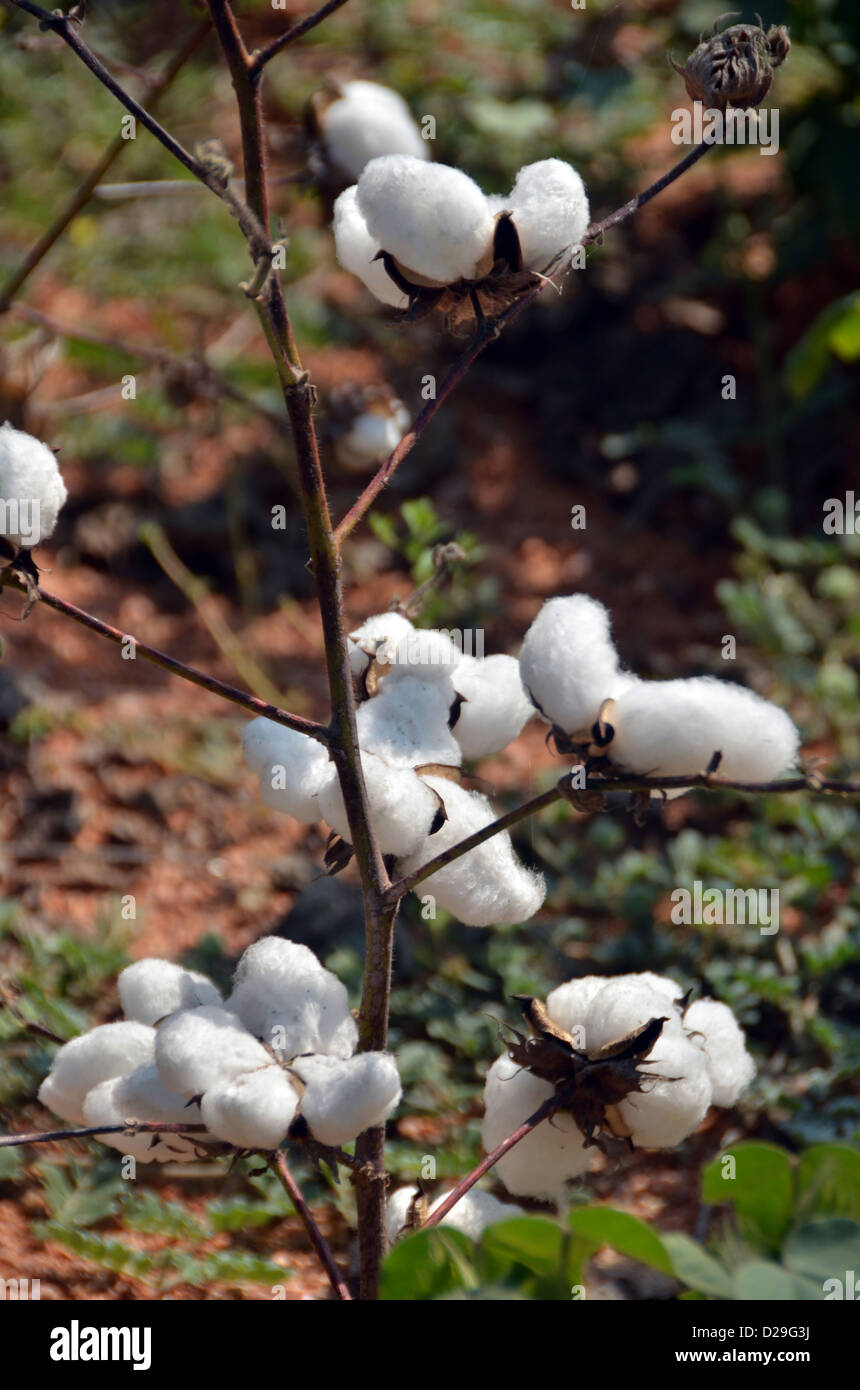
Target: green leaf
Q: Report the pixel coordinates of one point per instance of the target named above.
(532, 1241)
(763, 1280)
(428, 1264)
(761, 1191)
(623, 1232)
(836, 330)
(828, 1181)
(824, 1249)
(695, 1267)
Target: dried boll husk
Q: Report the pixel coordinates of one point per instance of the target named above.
(735, 67)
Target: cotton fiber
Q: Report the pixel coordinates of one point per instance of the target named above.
(357, 250)
(378, 636)
(103, 1052)
(624, 1004)
(141, 1096)
(197, 1048)
(666, 1111)
(474, 1212)
(568, 662)
(495, 706)
(151, 989)
(486, 886)
(550, 211)
(541, 1164)
(345, 1097)
(730, 1066)
(253, 1111)
(372, 436)
(293, 768)
(406, 724)
(402, 807)
(284, 996)
(32, 491)
(365, 121)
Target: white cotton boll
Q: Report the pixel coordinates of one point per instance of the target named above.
(151, 989)
(293, 769)
(472, 1214)
(432, 218)
(626, 1003)
(730, 1066)
(110, 1050)
(487, 886)
(285, 996)
(665, 1112)
(397, 1211)
(541, 1164)
(356, 250)
(550, 210)
(377, 635)
(406, 724)
(344, 1098)
(199, 1048)
(32, 491)
(253, 1111)
(366, 121)
(567, 1005)
(141, 1096)
(402, 806)
(495, 706)
(661, 984)
(424, 654)
(372, 436)
(568, 661)
(668, 728)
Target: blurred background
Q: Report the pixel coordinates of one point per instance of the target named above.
(129, 823)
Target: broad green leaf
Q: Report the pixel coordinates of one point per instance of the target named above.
(828, 1181)
(429, 1264)
(836, 330)
(824, 1249)
(532, 1241)
(696, 1267)
(763, 1280)
(623, 1232)
(761, 1191)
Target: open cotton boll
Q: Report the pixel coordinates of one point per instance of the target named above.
(151, 989)
(368, 120)
(568, 661)
(372, 436)
(550, 210)
(487, 886)
(406, 724)
(379, 634)
(356, 250)
(141, 1096)
(285, 996)
(423, 654)
(432, 218)
(472, 1215)
(199, 1048)
(495, 706)
(32, 490)
(567, 1005)
(541, 1164)
(397, 1211)
(110, 1050)
(665, 1112)
(343, 1098)
(254, 1110)
(730, 1066)
(667, 728)
(402, 806)
(293, 769)
(623, 1004)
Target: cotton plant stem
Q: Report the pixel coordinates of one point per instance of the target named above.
(37, 1136)
(486, 333)
(317, 1239)
(83, 194)
(262, 56)
(250, 703)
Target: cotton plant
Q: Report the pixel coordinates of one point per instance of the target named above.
(276, 1058)
(627, 1058)
(32, 491)
(428, 707)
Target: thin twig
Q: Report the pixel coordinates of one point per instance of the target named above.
(317, 1239)
(262, 56)
(169, 663)
(37, 1136)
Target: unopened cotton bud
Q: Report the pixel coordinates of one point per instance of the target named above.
(541, 1164)
(141, 1096)
(110, 1050)
(379, 636)
(495, 706)
(568, 662)
(432, 218)
(406, 724)
(344, 1098)
(151, 989)
(284, 996)
(253, 1111)
(666, 1111)
(402, 807)
(199, 1048)
(730, 1066)
(293, 768)
(357, 250)
(550, 211)
(668, 728)
(486, 886)
(32, 492)
(365, 121)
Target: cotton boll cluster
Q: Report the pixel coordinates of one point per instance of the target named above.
(281, 1049)
(428, 706)
(365, 120)
(474, 1212)
(669, 728)
(655, 1098)
(440, 229)
(32, 492)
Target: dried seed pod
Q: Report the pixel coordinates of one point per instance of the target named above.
(735, 67)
